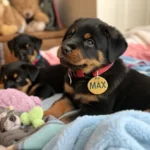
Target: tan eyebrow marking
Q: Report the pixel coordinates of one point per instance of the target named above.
(15, 75)
(87, 35)
(27, 45)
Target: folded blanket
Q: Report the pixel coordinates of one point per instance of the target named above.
(126, 130)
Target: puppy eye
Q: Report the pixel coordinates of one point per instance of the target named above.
(18, 80)
(27, 46)
(89, 42)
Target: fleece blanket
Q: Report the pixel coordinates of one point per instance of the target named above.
(126, 130)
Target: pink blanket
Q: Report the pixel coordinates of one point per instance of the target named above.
(51, 56)
(138, 43)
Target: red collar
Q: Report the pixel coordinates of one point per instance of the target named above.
(80, 73)
(38, 57)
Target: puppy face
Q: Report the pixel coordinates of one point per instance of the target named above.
(26, 8)
(89, 44)
(25, 47)
(9, 121)
(18, 75)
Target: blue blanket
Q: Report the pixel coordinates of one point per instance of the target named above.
(141, 66)
(126, 130)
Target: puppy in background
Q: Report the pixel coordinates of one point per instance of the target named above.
(27, 48)
(32, 80)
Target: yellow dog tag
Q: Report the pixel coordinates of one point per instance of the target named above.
(97, 85)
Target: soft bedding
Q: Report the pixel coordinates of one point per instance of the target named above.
(137, 55)
(126, 130)
(138, 40)
(141, 66)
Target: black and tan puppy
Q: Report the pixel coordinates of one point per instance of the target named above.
(27, 48)
(90, 49)
(42, 82)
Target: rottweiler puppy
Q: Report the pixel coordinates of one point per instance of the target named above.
(27, 48)
(42, 82)
(98, 82)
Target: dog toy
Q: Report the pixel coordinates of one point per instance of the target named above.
(9, 120)
(30, 10)
(10, 19)
(10, 137)
(34, 117)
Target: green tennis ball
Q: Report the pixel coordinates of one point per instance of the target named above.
(25, 119)
(37, 123)
(36, 113)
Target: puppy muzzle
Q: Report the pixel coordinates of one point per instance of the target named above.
(66, 49)
(69, 45)
(23, 55)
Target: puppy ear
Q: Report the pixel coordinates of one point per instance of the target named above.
(31, 70)
(116, 43)
(77, 20)
(37, 43)
(10, 45)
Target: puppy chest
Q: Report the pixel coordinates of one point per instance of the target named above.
(79, 92)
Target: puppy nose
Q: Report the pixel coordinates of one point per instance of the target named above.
(66, 49)
(12, 118)
(27, 15)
